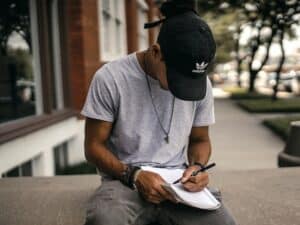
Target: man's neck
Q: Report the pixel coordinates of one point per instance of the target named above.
(142, 59)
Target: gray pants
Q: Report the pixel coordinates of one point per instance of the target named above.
(115, 204)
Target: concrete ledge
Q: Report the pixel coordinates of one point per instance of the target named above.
(261, 197)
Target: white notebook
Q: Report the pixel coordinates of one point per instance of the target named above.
(202, 199)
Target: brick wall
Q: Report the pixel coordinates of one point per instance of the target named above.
(83, 47)
(83, 42)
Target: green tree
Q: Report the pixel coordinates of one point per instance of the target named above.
(274, 16)
(287, 14)
(220, 15)
(14, 17)
(258, 14)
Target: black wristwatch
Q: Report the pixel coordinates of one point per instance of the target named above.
(127, 177)
(199, 164)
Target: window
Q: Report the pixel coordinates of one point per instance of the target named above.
(143, 35)
(24, 169)
(19, 95)
(30, 81)
(33, 92)
(112, 29)
(61, 157)
(58, 100)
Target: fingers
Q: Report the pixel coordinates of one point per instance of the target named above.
(150, 187)
(192, 187)
(188, 172)
(201, 177)
(197, 183)
(154, 199)
(185, 176)
(151, 196)
(159, 194)
(153, 192)
(166, 195)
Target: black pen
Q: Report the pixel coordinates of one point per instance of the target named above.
(198, 171)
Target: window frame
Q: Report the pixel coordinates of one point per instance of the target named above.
(43, 66)
(56, 46)
(113, 53)
(142, 8)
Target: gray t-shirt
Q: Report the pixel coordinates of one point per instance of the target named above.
(119, 93)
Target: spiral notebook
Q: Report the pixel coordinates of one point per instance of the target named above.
(202, 199)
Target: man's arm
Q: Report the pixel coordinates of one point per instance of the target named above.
(96, 135)
(199, 145)
(199, 151)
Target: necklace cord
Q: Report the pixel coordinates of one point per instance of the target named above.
(150, 93)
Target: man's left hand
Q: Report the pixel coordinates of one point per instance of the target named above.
(194, 183)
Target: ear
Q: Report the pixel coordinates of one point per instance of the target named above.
(155, 51)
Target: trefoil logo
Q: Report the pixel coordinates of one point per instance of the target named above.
(200, 68)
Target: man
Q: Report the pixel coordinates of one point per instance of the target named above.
(153, 108)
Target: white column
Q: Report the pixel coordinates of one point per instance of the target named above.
(43, 164)
(76, 146)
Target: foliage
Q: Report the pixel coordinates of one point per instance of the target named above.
(223, 36)
(14, 18)
(81, 168)
(281, 126)
(268, 105)
(274, 16)
(220, 18)
(22, 59)
(238, 93)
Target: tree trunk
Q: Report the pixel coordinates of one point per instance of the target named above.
(298, 81)
(280, 64)
(239, 71)
(253, 72)
(238, 57)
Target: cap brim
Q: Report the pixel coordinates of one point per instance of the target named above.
(187, 87)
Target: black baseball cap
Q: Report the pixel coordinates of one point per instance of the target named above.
(188, 49)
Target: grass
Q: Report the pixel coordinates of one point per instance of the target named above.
(268, 106)
(238, 93)
(281, 126)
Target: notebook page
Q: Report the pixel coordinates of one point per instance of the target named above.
(169, 175)
(203, 199)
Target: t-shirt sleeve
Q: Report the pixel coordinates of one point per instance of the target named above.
(205, 113)
(102, 99)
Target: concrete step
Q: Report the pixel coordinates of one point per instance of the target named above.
(261, 197)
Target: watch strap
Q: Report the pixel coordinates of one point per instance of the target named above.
(199, 164)
(127, 177)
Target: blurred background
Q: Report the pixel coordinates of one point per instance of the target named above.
(50, 49)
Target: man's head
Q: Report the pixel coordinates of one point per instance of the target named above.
(156, 65)
(185, 48)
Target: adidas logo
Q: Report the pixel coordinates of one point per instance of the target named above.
(200, 68)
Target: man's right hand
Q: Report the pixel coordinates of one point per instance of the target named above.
(149, 184)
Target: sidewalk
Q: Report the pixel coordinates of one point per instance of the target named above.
(240, 141)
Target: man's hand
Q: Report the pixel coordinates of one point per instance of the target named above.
(194, 183)
(149, 184)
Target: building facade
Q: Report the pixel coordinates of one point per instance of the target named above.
(50, 50)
